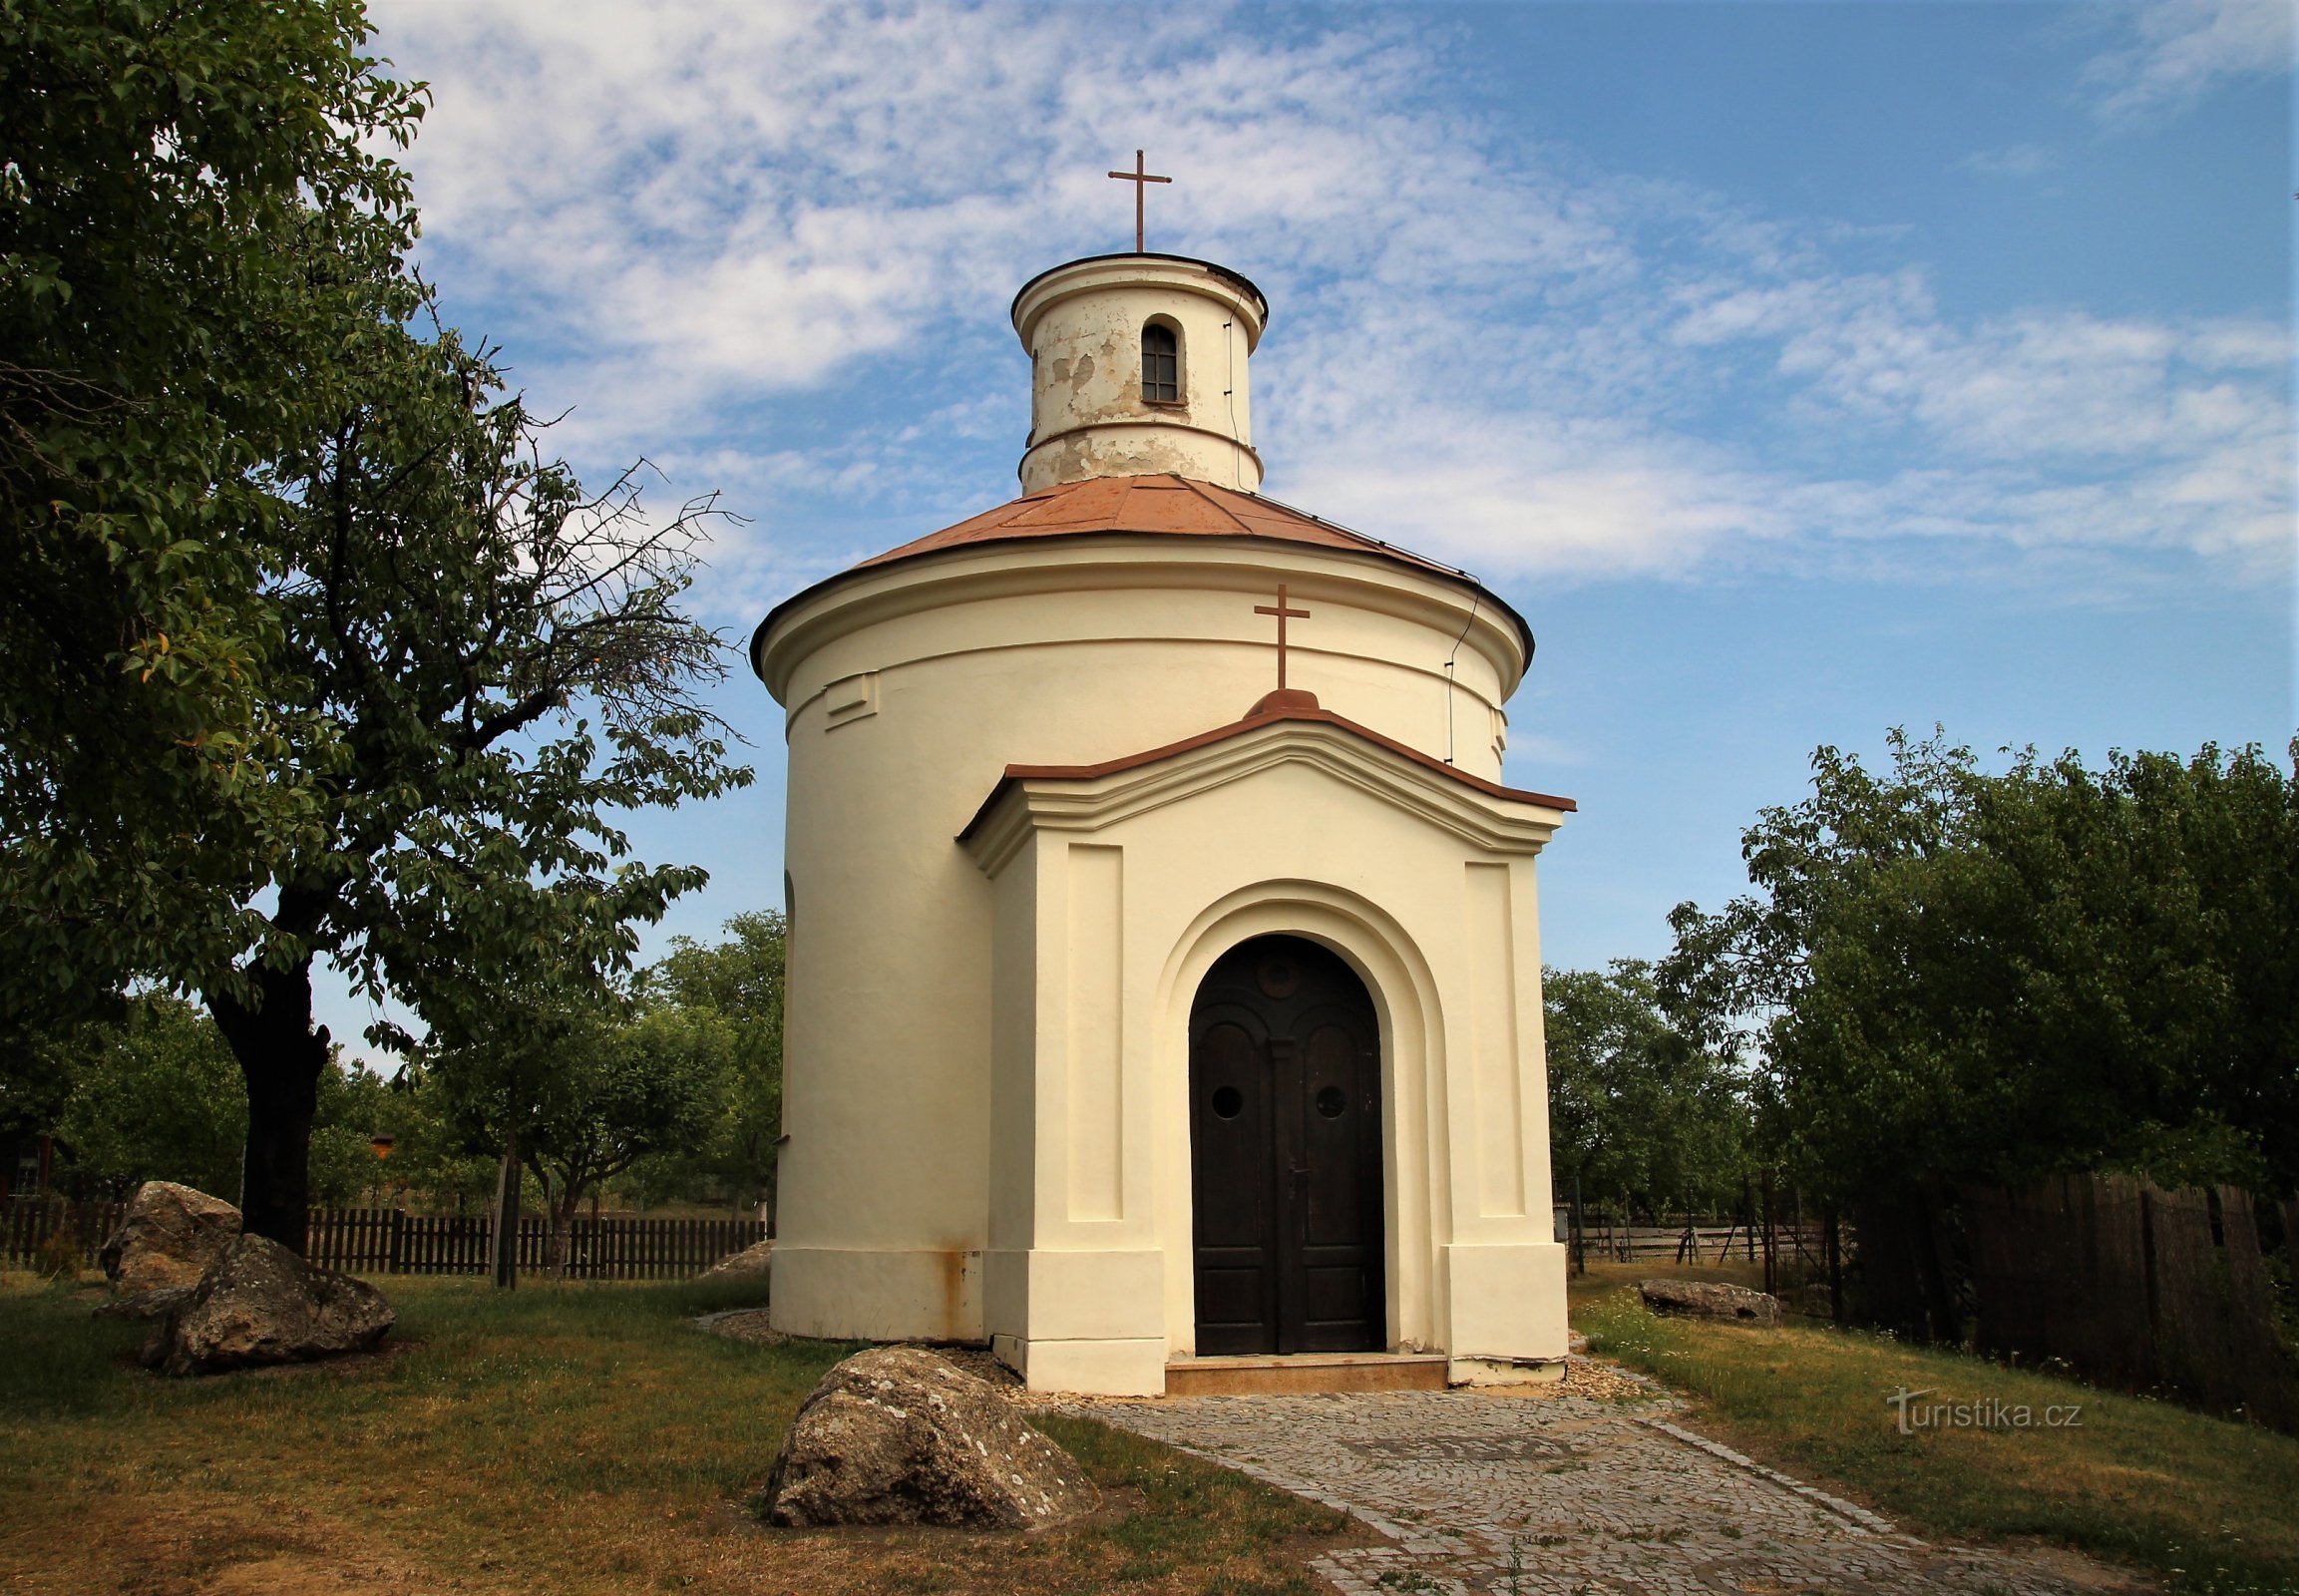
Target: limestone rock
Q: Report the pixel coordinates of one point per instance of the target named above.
(169, 1236)
(1710, 1300)
(260, 1304)
(897, 1435)
(158, 1303)
(757, 1259)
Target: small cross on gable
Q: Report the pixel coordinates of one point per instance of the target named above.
(1283, 613)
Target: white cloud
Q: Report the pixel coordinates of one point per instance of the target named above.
(2180, 49)
(710, 217)
(2013, 161)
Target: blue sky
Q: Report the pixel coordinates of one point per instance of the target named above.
(1798, 370)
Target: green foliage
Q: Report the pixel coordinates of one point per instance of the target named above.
(739, 982)
(354, 1105)
(432, 1155)
(508, 667)
(157, 1095)
(511, 671)
(672, 1086)
(314, 650)
(1953, 976)
(194, 216)
(158, 1098)
(623, 1092)
(1637, 1107)
(564, 1075)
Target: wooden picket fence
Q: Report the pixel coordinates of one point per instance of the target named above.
(1604, 1241)
(26, 1224)
(386, 1241)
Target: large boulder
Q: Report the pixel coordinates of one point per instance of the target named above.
(757, 1259)
(897, 1435)
(168, 1237)
(157, 1303)
(1700, 1299)
(259, 1303)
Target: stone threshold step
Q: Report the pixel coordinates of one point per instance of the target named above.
(1294, 1372)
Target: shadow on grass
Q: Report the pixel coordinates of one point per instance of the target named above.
(579, 1437)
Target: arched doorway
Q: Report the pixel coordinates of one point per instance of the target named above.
(1285, 1154)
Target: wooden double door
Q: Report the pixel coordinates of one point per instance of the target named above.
(1285, 1154)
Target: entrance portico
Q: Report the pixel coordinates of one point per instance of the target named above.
(1137, 906)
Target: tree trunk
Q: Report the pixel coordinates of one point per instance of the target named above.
(281, 1056)
(506, 1182)
(562, 1206)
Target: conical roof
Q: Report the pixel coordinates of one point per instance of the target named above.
(1165, 506)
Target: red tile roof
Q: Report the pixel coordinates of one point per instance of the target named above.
(1171, 506)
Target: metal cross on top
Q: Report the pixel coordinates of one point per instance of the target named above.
(1281, 611)
(1141, 179)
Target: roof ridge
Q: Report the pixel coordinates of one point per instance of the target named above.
(1199, 489)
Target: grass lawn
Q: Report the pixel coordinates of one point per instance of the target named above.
(2210, 1505)
(562, 1439)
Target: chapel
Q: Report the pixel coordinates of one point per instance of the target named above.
(1165, 976)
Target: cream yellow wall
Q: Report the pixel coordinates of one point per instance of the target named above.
(1082, 325)
(907, 690)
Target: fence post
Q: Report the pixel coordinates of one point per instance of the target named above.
(1831, 1242)
(1580, 1239)
(1771, 1253)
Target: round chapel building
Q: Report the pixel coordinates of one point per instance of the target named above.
(1164, 992)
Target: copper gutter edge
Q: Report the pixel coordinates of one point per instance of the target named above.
(1252, 722)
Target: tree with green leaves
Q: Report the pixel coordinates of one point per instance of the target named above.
(1953, 977)
(198, 213)
(557, 1071)
(501, 667)
(320, 654)
(1638, 1109)
(739, 980)
(649, 1086)
(157, 1095)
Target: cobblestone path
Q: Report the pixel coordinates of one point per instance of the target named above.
(1563, 1496)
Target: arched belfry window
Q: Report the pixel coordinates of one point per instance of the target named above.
(1161, 364)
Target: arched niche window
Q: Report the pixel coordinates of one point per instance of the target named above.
(1161, 364)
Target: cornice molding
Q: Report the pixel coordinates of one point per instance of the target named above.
(1023, 805)
(869, 595)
